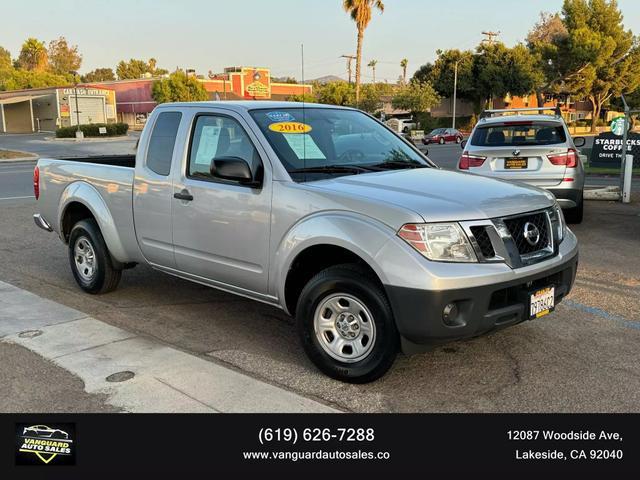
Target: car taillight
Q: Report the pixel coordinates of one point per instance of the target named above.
(467, 161)
(36, 182)
(568, 159)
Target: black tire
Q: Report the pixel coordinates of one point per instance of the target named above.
(355, 281)
(441, 141)
(574, 215)
(105, 277)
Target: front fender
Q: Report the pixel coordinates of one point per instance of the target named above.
(89, 196)
(361, 235)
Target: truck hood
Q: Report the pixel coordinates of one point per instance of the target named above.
(441, 195)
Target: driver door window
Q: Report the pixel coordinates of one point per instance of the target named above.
(216, 137)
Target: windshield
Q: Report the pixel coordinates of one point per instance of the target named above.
(321, 142)
(519, 133)
(437, 131)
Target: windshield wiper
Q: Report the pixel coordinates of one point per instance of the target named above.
(393, 164)
(331, 169)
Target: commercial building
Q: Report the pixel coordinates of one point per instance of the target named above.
(45, 109)
(135, 102)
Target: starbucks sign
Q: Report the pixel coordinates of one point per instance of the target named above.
(617, 126)
(607, 148)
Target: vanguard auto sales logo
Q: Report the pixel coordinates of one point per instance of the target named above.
(51, 444)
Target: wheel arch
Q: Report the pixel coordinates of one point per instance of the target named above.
(322, 241)
(80, 201)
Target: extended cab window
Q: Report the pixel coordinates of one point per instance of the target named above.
(217, 137)
(519, 133)
(163, 139)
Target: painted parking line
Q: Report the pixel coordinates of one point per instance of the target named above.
(165, 379)
(603, 314)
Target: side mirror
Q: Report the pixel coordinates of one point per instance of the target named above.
(233, 168)
(579, 141)
(463, 144)
(425, 152)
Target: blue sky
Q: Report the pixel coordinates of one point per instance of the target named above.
(217, 33)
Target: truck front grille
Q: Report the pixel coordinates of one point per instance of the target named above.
(517, 227)
(517, 240)
(483, 241)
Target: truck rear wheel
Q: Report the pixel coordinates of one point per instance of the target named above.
(91, 263)
(346, 324)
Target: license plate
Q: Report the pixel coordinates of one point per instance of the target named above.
(541, 302)
(516, 163)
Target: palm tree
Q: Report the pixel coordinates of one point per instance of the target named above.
(33, 55)
(373, 64)
(404, 63)
(360, 11)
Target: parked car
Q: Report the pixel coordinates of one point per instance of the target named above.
(536, 149)
(401, 125)
(442, 136)
(320, 211)
(43, 431)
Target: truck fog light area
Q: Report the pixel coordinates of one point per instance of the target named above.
(444, 242)
(450, 315)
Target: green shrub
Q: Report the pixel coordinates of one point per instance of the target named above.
(92, 130)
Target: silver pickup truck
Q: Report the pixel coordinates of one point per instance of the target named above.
(320, 211)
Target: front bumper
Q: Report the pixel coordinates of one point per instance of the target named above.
(419, 313)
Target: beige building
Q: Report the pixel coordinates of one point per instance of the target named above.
(45, 109)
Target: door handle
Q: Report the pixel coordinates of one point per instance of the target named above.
(183, 195)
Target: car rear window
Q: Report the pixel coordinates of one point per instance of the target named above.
(519, 133)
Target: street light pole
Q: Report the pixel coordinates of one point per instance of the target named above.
(455, 96)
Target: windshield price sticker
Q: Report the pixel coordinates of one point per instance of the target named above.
(572, 445)
(290, 127)
(280, 117)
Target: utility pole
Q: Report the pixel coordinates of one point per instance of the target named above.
(455, 92)
(350, 58)
(490, 37)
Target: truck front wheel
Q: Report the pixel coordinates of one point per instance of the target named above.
(346, 324)
(90, 260)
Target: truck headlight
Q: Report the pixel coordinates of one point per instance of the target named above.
(443, 242)
(558, 222)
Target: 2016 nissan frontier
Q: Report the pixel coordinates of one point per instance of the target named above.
(323, 212)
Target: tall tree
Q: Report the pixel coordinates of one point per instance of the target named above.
(404, 63)
(597, 59)
(416, 97)
(33, 55)
(372, 65)
(542, 41)
(178, 88)
(99, 75)
(63, 58)
(360, 11)
(499, 71)
(135, 68)
(5, 59)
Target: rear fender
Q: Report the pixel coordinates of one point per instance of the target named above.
(87, 195)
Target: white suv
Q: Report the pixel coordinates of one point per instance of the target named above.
(534, 149)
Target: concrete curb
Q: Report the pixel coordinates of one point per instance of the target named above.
(164, 379)
(28, 157)
(90, 139)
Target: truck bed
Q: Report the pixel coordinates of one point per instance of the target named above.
(106, 185)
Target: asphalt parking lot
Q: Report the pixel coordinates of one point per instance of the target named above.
(582, 358)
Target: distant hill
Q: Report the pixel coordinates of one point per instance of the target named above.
(327, 79)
